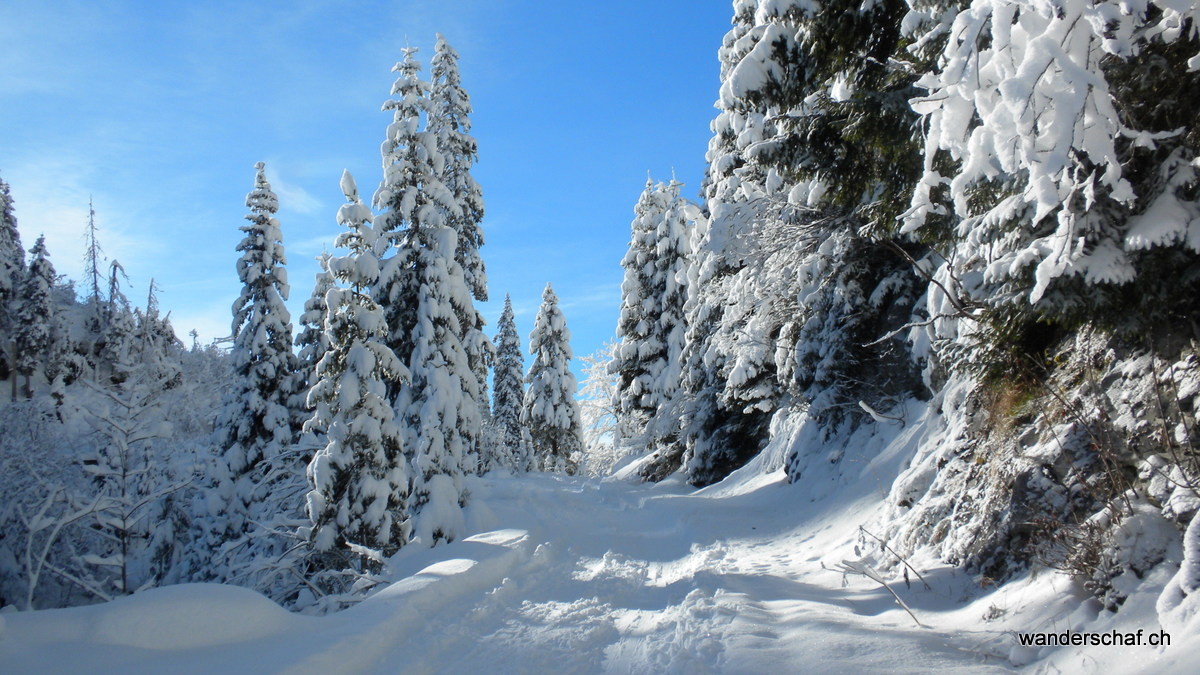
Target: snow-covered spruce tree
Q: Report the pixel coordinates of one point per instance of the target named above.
(409, 192)
(450, 125)
(35, 316)
(359, 499)
(12, 271)
(508, 393)
(652, 325)
(254, 424)
(831, 271)
(424, 293)
(442, 422)
(12, 254)
(312, 340)
(639, 361)
(1064, 138)
(729, 380)
(550, 411)
(674, 262)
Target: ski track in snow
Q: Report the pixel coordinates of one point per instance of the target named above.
(568, 575)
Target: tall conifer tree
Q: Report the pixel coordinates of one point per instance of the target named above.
(312, 339)
(255, 423)
(12, 271)
(423, 290)
(508, 392)
(409, 194)
(92, 257)
(638, 360)
(12, 254)
(551, 411)
(729, 373)
(359, 480)
(673, 262)
(652, 323)
(35, 315)
(450, 124)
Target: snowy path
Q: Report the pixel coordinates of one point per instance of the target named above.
(570, 576)
(643, 579)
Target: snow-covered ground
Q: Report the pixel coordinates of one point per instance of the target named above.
(576, 575)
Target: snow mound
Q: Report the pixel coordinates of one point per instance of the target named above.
(189, 616)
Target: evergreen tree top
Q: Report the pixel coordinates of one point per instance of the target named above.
(92, 255)
(444, 72)
(508, 342)
(261, 199)
(355, 215)
(408, 84)
(5, 201)
(12, 255)
(449, 123)
(550, 328)
(39, 252)
(411, 194)
(445, 61)
(507, 317)
(361, 238)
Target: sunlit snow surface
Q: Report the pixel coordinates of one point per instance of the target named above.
(575, 575)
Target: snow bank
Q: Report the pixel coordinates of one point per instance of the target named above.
(189, 616)
(152, 627)
(216, 628)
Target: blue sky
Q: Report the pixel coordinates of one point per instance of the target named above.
(159, 110)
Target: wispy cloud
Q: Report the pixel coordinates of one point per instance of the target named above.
(292, 197)
(36, 35)
(51, 198)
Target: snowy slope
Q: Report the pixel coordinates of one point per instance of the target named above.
(574, 575)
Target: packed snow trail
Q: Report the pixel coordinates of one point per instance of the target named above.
(651, 579)
(570, 575)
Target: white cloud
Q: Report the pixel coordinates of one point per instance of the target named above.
(51, 198)
(292, 197)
